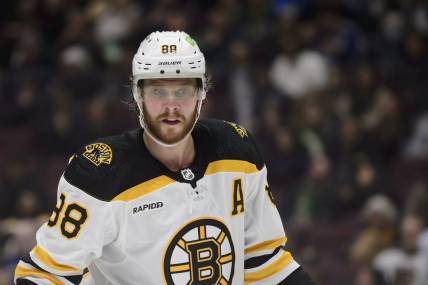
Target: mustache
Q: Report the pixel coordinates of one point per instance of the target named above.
(168, 114)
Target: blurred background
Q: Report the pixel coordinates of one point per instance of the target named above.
(333, 90)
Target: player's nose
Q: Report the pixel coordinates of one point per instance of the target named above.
(171, 104)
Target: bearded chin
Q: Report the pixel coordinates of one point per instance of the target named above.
(154, 127)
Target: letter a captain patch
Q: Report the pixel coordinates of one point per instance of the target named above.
(237, 197)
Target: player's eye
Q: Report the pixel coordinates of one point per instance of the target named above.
(158, 93)
(181, 93)
(184, 93)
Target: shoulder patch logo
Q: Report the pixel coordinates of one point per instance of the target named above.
(98, 153)
(239, 129)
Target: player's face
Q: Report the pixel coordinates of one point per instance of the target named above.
(170, 107)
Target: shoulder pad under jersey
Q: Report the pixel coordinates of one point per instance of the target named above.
(232, 141)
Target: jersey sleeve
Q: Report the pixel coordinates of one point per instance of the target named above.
(78, 229)
(266, 259)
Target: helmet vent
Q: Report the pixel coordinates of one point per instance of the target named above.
(177, 71)
(162, 71)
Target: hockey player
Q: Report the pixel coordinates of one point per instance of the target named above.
(177, 201)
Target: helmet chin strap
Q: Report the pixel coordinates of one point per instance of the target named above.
(160, 142)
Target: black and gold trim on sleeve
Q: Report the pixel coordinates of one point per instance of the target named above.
(29, 271)
(21, 281)
(267, 259)
(39, 265)
(260, 260)
(274, 264)
(44, 260)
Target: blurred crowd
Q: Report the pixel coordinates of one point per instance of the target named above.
(333, 90)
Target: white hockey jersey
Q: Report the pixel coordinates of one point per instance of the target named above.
(124, 218)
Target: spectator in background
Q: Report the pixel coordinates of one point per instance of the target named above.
(405, 264)
(367, 276)
(14, 181)
(379, 216)
(17, 233)
(382, 125)
(360, 67)
(241, 86)
(417, 145)
(114, 21)
(297, 70)
(417, 205)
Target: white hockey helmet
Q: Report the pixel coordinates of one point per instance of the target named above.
(168, 55)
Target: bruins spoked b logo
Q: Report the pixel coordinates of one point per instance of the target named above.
(201, 253)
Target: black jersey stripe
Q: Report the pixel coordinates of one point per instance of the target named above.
(22, 281)
(259, 260)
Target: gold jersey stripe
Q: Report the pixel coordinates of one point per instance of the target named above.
(226, 258)
(42, 256)
(179, 268)
(269, 244)
(144, 188)
(162, 181)
(276, 266)
(230, 166)
(26, 272)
